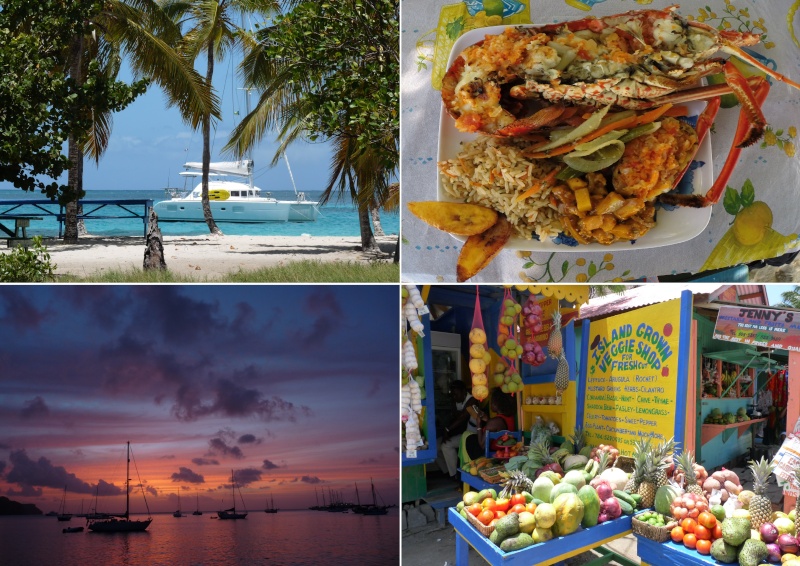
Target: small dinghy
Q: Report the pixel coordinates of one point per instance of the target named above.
(72, 530)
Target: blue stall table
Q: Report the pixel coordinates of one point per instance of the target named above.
(655, 553)
(542, 554)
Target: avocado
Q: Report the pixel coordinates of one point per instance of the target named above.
(516, 542)
(507, 526)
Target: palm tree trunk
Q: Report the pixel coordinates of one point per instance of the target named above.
(74, 153)
(212, 226)
(397, 250)
(376, 218)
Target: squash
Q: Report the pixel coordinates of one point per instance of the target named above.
(665, 495)
(574, 462)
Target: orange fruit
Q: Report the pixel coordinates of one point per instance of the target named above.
(486, 516)
(499, 514)
(717, 532)
(689, 540)
(688, 525)
(475, 509)
(518, 508)
(703, 546)
(517, 498)
(677, 534)
(707, 520)
(530, 507)
(702, 533)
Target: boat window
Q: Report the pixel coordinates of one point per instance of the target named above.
(234, 193)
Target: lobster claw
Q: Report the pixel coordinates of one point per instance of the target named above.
(744, 129)
(750, 107)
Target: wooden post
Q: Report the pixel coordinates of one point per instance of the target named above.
(792, 408)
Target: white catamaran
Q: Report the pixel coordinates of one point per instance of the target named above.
(232, 201)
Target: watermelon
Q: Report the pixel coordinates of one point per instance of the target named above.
(664, 497)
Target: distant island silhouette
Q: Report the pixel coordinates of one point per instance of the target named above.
(8, 507)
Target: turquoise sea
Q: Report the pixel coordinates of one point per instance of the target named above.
(335, 218)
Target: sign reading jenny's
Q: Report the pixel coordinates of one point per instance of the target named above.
(758, 326)
(632, 376)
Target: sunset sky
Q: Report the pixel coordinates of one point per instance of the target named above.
(294, 387)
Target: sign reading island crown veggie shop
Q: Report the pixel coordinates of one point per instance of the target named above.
(633, 377)
(759, 326)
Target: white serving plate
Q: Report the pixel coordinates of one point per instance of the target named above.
(672, 226)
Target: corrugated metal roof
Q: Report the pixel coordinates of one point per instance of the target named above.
(644, 295)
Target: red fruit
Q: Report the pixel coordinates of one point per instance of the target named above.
(677, 534)
(689, 540)
(518, 508)
(475, 509)
(667, 329)
(517, 498)
(486, 516)
(664, 371)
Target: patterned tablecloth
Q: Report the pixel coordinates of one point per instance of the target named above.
(767, 174)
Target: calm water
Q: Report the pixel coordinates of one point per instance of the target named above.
(287, 538)
(335, 218)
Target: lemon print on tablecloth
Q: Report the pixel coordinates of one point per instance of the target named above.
(750, 237)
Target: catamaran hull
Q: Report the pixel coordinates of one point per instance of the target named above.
(115, 526)
(181, 210)
(302, 211)
(226, 515)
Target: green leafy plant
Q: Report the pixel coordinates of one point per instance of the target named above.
(27, 265)
(734, 200)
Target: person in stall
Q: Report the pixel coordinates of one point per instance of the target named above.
(503, 407)
(464, 421)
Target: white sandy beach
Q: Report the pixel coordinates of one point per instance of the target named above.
(208, 257)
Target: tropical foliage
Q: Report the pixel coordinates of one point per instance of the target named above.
(791, 298)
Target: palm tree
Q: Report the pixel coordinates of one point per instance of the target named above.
(358, 167)
(142, 32)
(214, 32)
(791, 298)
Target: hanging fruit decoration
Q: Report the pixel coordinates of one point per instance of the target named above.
(411, 392)
(507, 340)
(562, 375)
(532, 353)
(554, 345)
(479, 357)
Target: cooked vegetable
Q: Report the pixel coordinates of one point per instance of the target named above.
(589, 126)
(479, 250)
(457, 218)
(599, 159)
(642, 130)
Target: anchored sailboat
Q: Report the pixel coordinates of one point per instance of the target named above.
(231, 513)
(197, 511)
(122, 523)
(62, 512)
(271, 508)
(178, 512)
(374, 508)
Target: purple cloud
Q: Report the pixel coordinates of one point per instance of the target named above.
(34, 408)
(246, 476)
(205, 462)
(42, 473)
(187, 475)
(269, 465)
(310, 479)
(249, 439)
(218, 445)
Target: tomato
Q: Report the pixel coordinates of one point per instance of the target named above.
(717, 532)
(703, 546)
(689, 540)
(493, 522)
(502, 504)
(486, 516)
(517, 499)
(475, 509)
(499, 514)
(677, 534)
(707, 520)
(518, 508)
(702, 533)
(530, 507)
(688, 525)
(489, 503)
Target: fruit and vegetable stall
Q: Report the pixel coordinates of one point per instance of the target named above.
(617, 450)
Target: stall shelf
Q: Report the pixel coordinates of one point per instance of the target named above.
(543, 554)
(655, 553)
(545, 409)
(709, 431)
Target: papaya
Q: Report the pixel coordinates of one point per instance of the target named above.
(569, 514)
(563, 487)
(591, 505)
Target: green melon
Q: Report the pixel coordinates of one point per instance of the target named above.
(665, 495)
(563, 487)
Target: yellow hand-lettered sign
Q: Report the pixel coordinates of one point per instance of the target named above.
(632, 376)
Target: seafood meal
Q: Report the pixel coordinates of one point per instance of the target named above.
(581, 127)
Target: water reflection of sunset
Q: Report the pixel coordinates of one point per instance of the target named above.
(293, 387)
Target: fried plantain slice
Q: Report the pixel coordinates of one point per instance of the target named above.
(479, 250)
(461, 219)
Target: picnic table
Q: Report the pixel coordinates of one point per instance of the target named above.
(21, 224)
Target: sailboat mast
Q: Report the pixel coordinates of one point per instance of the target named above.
(374, 502)
(127, 482)
(233, 491)
(358, 500)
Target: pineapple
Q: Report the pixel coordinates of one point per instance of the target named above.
(562, 375)
(640, 450)
(554, 345)
(602, 463)
(760, 505)
(578, 439)
(517, 482)
(539, 453)
(686, 464)
(662, 455)
(647, 486)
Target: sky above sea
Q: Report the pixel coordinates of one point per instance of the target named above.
(293, 387)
